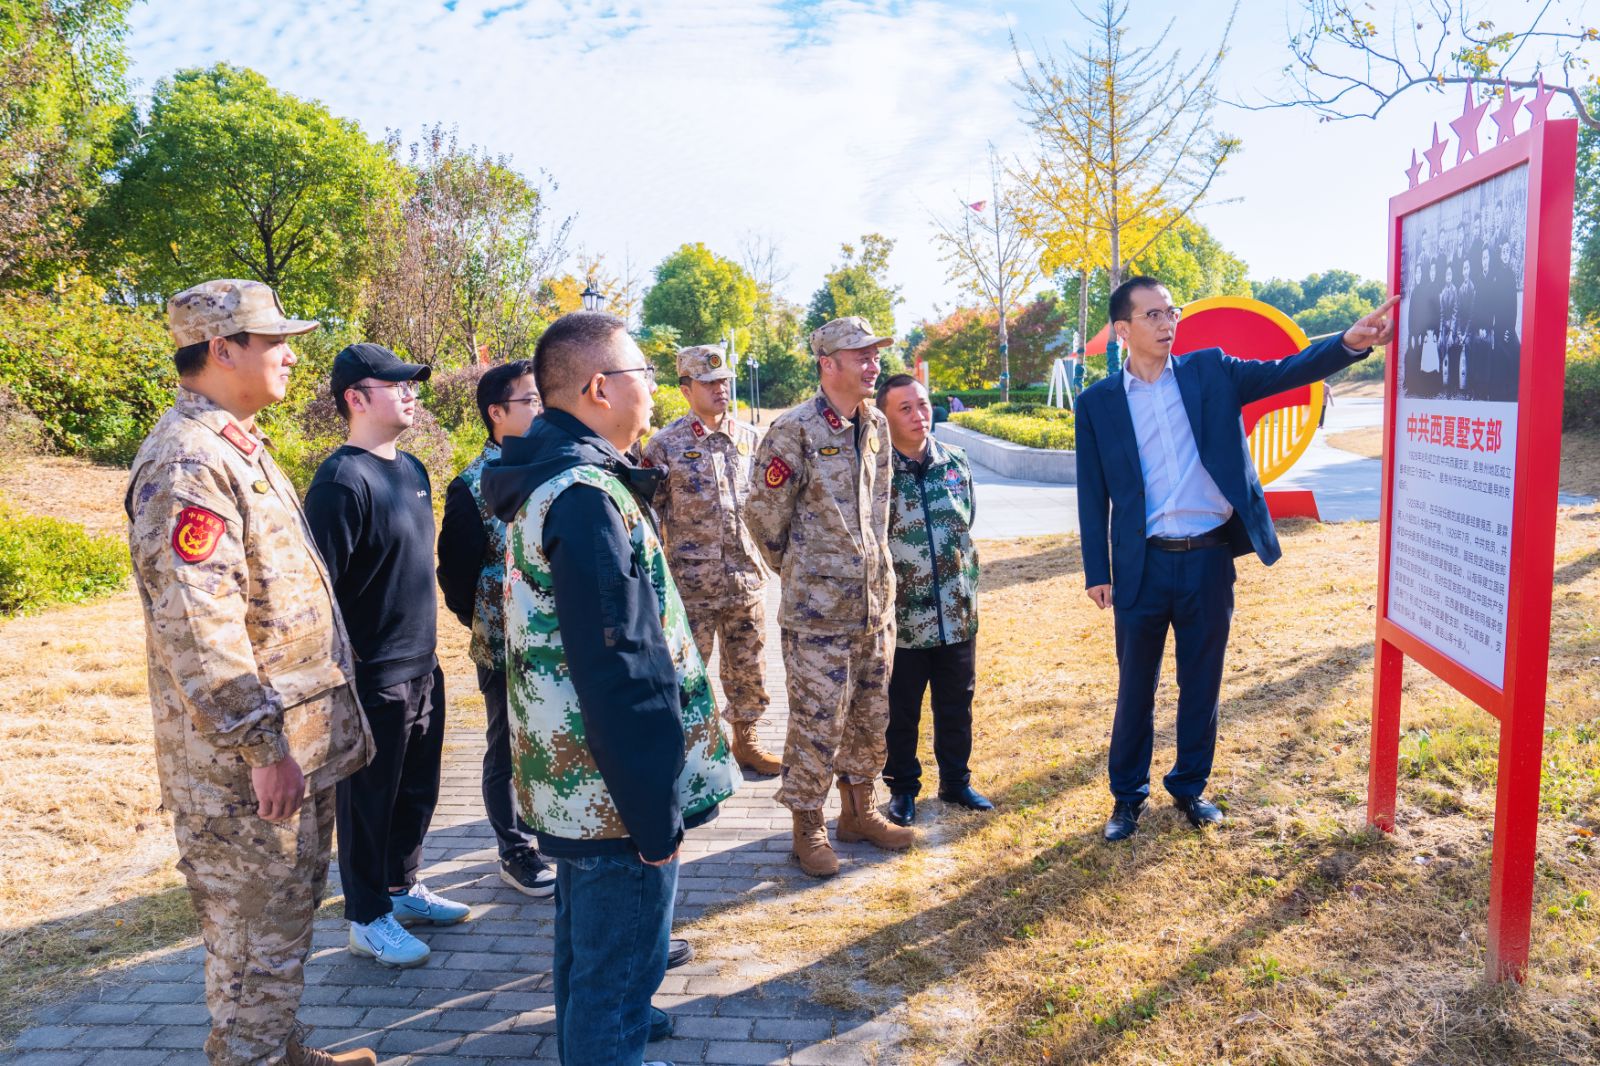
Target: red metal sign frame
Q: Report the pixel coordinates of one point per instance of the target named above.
(1549, 149)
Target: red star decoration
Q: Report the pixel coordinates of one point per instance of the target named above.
(1540, 107)
(1413, 170)
(1435, 154)
(1466, 126)
(1505, 116)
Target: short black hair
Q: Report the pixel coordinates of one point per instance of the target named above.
(495, 387)
(893, 381)
(683, 381)
(1122, 296)
(191, 358)
(565, 352)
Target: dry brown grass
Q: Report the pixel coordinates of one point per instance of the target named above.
(90, 883)
(1292, 936)
(1580, 455)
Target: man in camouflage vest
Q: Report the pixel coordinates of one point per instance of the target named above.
(931, 510)
(616, 750)
(251, 673)
(472, 574)
(707, 455)
(819, 511)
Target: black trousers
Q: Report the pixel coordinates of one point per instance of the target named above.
(384, 808)
(951, 670)
(1190, 593)
(511, 833)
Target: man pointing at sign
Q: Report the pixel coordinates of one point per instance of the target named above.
(1167, 497)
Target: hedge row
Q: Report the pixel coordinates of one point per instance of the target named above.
(1030, 424)
(47, 560)
(989, 397)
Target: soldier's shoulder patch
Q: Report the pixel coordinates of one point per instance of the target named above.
(645, 462)
(778, 472)
(239, 439)
(699, 430)
(196, 534)
(834, 421)
(829, 450)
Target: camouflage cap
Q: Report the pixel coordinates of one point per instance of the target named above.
(227, 306)
(704, 362)
(843, 334)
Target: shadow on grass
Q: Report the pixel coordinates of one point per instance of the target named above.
(1058, 561)
(1578, 568)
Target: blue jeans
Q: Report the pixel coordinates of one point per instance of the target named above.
(613, 914)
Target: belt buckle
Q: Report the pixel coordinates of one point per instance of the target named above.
(1188, 544)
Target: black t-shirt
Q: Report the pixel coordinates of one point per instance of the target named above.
(373, 522)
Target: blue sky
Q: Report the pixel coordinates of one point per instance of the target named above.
(805, 123)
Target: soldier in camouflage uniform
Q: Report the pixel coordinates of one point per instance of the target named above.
(707, 457)
(931, 510)
(615, 744)
(250, 672)
(819, 511)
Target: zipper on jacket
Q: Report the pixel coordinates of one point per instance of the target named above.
(933, 549)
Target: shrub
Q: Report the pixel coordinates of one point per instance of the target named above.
(1030, 424)
(48, 560)
(452, 396)
(21, 434)
(96, 375)
(988, 397)
(670, 405)
(1581, 408)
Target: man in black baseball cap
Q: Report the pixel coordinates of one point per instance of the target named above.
(370, 508)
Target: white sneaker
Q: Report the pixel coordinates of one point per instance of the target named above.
(387, 942)
(422, 905)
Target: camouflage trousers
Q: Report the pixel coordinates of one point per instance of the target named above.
(255, 885)
(838, 712)
(742, 630)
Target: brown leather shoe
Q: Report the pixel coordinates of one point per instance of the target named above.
(860, 819)
(811, 845)
(748, 752)
(297, 1054)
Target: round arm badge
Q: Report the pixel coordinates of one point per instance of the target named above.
(197, 533)
(778, 472)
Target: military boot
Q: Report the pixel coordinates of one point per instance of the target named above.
(297, 1054)
(748, 752)
(811, 845)
(859, 819)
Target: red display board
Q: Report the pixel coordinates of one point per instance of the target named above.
(1481, 255)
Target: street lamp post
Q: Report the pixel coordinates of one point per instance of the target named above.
(592, 297)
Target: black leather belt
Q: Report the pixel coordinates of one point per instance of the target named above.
(1213, 539)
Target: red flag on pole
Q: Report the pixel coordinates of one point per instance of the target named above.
(979, 206)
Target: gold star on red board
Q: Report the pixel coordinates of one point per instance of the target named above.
(1505, 116)
(1466, 126)
(1435, 154)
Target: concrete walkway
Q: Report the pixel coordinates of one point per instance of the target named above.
(484, 996)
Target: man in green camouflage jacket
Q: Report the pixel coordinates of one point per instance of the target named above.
(931, 508)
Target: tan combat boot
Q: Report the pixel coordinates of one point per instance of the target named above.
(811, 845)
(297, 1054)
(748, 752)
(859, 819)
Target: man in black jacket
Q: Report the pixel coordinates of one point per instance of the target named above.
(617, 747)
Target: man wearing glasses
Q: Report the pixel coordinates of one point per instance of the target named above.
(819, 512)
(1165, 474)
(472, 575)
(370, 507)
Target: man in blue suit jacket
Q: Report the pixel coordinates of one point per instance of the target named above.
(1163, 468)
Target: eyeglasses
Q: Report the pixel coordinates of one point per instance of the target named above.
(1155, 316)
(648, 371)
(519, 399)
(405, 389)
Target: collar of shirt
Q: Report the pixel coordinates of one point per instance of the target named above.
(700, 429)
(248, 443)
(1131, 382)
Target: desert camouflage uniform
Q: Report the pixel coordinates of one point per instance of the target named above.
(248, 663)
(714, 562)
(930, 540)
(819, 511)
(559, 786)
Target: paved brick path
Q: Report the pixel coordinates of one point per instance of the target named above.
(484, 996)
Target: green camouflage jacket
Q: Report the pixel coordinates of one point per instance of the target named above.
(559, 788)
(931, 510)
(488, 626)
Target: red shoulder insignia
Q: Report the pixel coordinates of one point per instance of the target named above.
(699, 430)
(196, 535)
(778, 472)
(834, 421)
(646, 463)
(239, 439)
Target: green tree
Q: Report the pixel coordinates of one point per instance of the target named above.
(858, 286)
(62, 93)
(228, 177)
(1586, 220)
(1193, 264)
(700, 294)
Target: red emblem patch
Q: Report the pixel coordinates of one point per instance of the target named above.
(197, 534)
(699, 430)
(778, 472)
(237, 437)
(833, 419)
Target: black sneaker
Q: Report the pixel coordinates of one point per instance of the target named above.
(528, 873)
(678, 953)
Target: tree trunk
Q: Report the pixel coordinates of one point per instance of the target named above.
(1005, 360)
